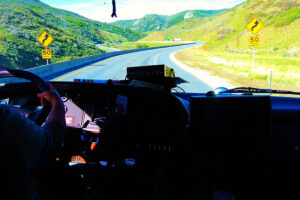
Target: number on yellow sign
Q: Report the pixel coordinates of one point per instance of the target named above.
(254, 41)
(46, 54)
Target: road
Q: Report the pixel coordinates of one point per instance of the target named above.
(115, 67)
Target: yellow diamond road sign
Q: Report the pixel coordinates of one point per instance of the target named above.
(45, 39)
(46, 54)
(254, 41)
(255, 25)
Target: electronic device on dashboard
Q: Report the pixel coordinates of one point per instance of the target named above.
(149, 72)
(157, 74)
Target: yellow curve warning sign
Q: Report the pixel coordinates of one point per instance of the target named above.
(45, 39)
(255, 25)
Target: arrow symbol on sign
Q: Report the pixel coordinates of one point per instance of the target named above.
(256, 23)
(46, 37)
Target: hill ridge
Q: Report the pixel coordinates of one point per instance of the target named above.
(156, 22)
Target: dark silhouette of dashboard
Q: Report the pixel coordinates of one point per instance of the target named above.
(142, 143)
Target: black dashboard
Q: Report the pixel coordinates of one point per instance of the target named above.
(145, 142)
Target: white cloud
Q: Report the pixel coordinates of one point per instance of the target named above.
(76, 6)
(98, 11)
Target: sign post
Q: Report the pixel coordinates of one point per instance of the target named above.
(254, 26)
(271, 78)
(46, 39)
(253, 41)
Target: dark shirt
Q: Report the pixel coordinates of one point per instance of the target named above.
(39, 144)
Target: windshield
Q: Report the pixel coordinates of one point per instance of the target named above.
(210, 44)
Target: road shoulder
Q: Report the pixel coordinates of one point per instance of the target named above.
(205, 76)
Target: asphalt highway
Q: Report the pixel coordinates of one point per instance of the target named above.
(115, 67)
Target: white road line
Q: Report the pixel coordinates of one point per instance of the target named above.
(155, 63)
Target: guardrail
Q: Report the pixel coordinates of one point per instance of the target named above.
(51, 71)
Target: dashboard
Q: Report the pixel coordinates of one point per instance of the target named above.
(144, 142)
(119, 121)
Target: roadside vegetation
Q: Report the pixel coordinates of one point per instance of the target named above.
(236, 66)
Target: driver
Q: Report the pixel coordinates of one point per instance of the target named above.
(38, 144)
(26, 145)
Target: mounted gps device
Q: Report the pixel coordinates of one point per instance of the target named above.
(157, 74)
(150, 72)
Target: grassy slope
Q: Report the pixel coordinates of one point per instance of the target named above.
(226, 52)
(179, 17)
(145, 24)
(223, 29)
(21, 22)
(184, 30)
(125, 23)
(281, 28)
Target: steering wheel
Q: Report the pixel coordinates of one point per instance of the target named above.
(40, 116)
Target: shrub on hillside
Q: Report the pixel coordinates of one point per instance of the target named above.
(142, 46)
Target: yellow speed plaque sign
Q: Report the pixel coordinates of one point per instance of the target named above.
(254, 41)
(46, 54)
(45, 39)
(255, 25)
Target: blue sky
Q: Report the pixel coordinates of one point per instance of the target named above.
(100, 10)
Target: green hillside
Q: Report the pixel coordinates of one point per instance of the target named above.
(161, 22)
(182, 30)
(22, 21)
(190, 14)
(228, 30)
(227, 53)
(146, 24)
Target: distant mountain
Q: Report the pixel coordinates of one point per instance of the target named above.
(154, 22)
(227, 30)
(22, 21)
(190, 14)
(148, 23)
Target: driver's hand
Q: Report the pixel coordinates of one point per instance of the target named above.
(57, 113)
(51, 96)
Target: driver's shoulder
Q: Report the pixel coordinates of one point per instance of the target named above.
(11, 119)
(4, 109)
(7, 110)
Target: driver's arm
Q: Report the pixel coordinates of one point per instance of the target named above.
(39, 144)
(57, 113)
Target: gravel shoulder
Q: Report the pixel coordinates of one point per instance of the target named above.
(205, 76)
